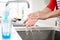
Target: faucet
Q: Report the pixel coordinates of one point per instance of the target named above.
(18, 2)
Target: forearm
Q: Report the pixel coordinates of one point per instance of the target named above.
(46, 10)
(54, 14)
(43, 14)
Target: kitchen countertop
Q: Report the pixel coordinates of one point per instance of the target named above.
(41, 25)
(35, 28)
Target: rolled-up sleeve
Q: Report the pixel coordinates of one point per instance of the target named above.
(51, 5)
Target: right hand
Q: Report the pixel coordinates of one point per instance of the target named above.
(34, 17)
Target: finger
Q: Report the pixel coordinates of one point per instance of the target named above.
(25, 21)
(27, 25)
(30, 23)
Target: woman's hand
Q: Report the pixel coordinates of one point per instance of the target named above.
(34, 17)
(30, 22)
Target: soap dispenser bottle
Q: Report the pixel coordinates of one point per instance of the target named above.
(6, 25)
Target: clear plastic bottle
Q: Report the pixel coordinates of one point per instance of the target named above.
(6, 29)
(6, 25)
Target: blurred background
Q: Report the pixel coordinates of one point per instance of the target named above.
(19, 9)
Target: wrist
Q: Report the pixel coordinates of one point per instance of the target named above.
(50, 15)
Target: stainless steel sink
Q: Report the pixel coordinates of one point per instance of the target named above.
(36, 35)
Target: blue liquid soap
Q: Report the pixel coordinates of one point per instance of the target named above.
(6, 35)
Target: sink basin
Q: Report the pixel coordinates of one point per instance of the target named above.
(36, 35)
(35, 32)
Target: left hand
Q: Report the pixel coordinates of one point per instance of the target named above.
(30, 22)
(34, 17)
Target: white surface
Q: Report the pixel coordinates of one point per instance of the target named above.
(14, 35)
(35, 28)
(48, 22)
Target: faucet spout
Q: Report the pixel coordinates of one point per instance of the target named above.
(18, 2)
